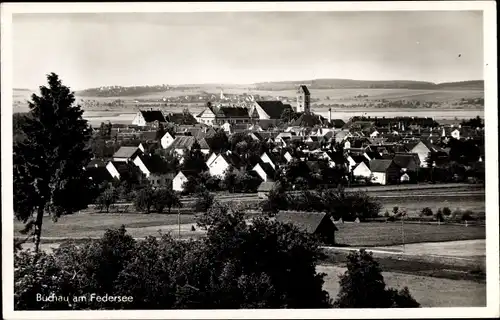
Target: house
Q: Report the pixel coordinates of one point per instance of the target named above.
(288, 156)
(117, 169)
(341, 135)
(207, 116)
(308, 120)
(149, 118)
(264, 188)
(371, 155)
(181, 143)
(211, 158)
(125, 154)
(361, 170)
(147, 136)
(273, 162)
(166, 140)
(267, 113)
(265, 171)
(354, 160)
(337, 123)
(154, 169)
(96, 163)
(147, 147)
(204, 147)
(407, 161)
(180, 178)
(315, 223)
(98, 174)
(222, 162)
(384, 171)
(218, 115)
(423, 148)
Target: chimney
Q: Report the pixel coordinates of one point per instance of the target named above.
(330, 115)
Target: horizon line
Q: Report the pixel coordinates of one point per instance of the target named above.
(254, 83)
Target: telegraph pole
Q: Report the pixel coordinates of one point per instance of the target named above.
(179, 221)
(403, 228)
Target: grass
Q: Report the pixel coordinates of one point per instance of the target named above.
(372, 234)
(428, 291)
(83, 225)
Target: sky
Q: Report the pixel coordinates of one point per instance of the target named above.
(100, 49)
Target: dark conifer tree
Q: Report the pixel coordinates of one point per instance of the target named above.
(49, 163)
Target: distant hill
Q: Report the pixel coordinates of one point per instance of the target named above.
(316, 84)
(368, 84)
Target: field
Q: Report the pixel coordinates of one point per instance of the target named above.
(94, 225)
(330, 96)
(428, 291)
(374, 234)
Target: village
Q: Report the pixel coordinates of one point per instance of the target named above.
(361, 151)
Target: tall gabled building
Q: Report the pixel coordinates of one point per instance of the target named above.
(303, 100)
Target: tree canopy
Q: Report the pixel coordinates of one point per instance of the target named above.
(49, 163)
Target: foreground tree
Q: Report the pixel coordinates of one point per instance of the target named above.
(48, 164)
(263, 265)
(363, 286)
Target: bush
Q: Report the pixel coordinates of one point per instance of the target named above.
(204, 200)
(386, 214)
(395, 210)
(467, 216)
(446, 211)
(144, 199)
(263, 265)
(427, 212)
(439, 216)
(166, 198)
(107, 198)
(363, 286)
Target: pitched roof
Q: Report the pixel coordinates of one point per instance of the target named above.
(121, 167)
(268, 169)
(404, 159)
(266, 186)
(432, 147)
(305, 89)
(306, 120)
(182, 142)
(273, 108)
(125, 152)
(373, 155)
(98, 174)
(153, 115)
(94, 163)
(306, 221)
(233, 112)
(337, 123)
(148, 135)
(380, 165)
(203, 144)
(188, 173)
(154, 164)
(359, 158)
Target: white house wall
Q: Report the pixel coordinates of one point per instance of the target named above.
(265, 158)
(138, 162)
(166, 140)
(178, 182)
(139, 120)
(218, 167)
(362, 171)
(112, 170)
(379, 177)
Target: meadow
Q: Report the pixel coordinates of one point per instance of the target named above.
(428, 291)
(375, 234)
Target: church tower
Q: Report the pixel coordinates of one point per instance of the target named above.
(303, 100)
